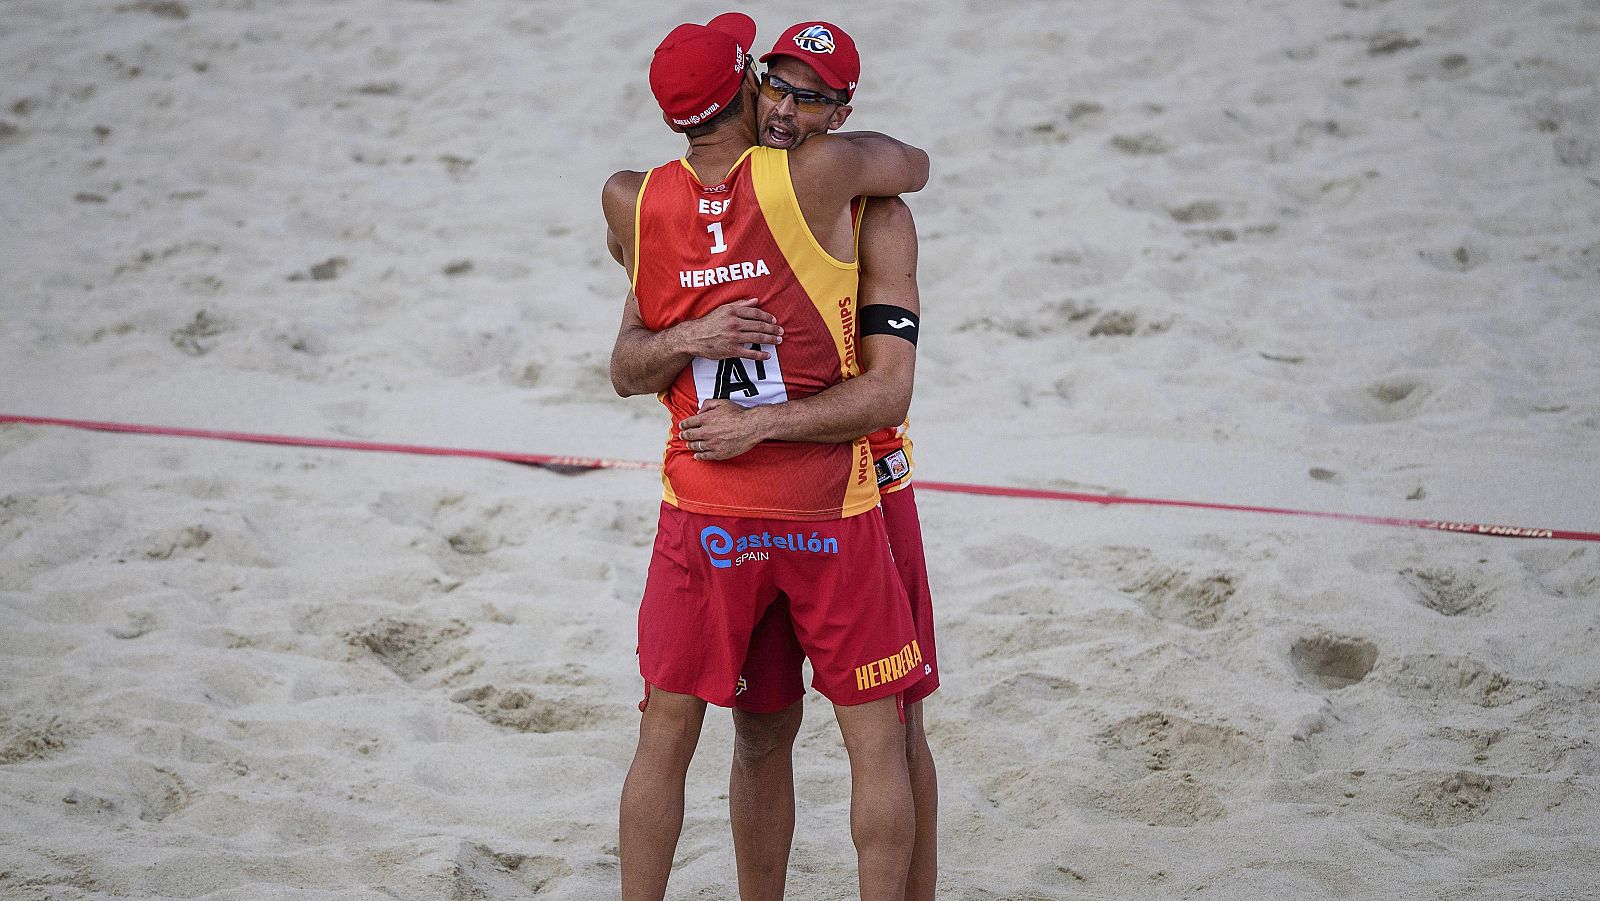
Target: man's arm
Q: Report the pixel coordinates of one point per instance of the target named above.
(876, 399)
(897, 159)
(829, 170)
(646, 362)
(618, 200)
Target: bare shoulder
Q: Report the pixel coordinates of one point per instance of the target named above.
(625, 180)
(621, 192)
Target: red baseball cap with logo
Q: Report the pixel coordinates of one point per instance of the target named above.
(697, 68)
(826, 48)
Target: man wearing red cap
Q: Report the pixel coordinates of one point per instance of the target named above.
(744, 288)
(813, 72)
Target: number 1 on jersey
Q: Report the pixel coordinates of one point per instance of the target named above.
(717, 244)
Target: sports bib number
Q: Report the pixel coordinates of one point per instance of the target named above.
(747, 383)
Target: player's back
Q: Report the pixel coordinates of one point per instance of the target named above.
(697, 247)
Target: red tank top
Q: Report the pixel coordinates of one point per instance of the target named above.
(699, 246)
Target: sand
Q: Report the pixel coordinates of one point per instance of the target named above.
(1339, 256)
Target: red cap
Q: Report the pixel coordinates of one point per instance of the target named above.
(697, 69)
(827, 49)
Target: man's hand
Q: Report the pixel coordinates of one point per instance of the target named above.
(729, 331)
(722, 430)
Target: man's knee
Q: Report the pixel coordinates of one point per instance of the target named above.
(918, 755)
(873, 732)
(671, 723)
(757, 736)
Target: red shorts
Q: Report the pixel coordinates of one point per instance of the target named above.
(712, 578)
(771, 679)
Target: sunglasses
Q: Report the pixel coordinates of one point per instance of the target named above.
(775, 89)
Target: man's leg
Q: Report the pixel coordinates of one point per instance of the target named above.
(761, 799)
(905, 537)
(652, 796)
(881, 810)
(925, 799)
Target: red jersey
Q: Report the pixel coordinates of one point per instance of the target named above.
(697, 247)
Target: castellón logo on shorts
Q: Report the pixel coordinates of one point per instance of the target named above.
(719, 545)
(815, 39)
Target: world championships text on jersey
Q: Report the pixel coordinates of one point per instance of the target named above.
(847, 328)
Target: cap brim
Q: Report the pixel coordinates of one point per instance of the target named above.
(829, 78)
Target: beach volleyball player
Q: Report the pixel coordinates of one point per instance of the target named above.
(700, 237)
(813, 70)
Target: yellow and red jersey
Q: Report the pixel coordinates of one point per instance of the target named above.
(697, 247)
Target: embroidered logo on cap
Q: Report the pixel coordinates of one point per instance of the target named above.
(815, 39)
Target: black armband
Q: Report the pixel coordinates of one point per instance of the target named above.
(888, 319)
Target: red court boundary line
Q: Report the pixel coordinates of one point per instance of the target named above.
(566, 462)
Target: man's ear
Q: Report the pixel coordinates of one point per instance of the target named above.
(836, 120)
(671, 124)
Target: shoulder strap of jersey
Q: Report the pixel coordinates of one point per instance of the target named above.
(638, 210)
(858, 212)
(781, 207)
(732, 172)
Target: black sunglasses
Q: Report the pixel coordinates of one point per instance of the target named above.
(806, 101)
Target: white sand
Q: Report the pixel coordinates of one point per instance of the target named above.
(1334, 255)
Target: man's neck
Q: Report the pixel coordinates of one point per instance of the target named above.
(712, 156)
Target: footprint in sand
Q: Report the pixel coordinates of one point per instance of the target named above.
(46, 531)
(1564, 572)
(1462, 257)
(479, 871)
(325, 271)
(1510, 749)
(1163, 799)
(32, 736)
(525, 711)
(1161, 742)
(163, 9)
(159, 792)
(1186, 592)
(1449, 591)
(415, 650)
(1066, 316)
(227, 538)
(78, 803)
(1176, 595)
(1024, 696)
(1432, 798)
(1392, 399)
(199, 336)
(189, 538)
(1461, 679)
(460, 537)
(134, 625)
(1333, 661)
(1571, 119)
(1457, 798)
(1142, 144)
